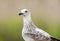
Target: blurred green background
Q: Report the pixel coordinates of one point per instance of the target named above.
(45, 14)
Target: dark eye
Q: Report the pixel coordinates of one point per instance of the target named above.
(25, 11)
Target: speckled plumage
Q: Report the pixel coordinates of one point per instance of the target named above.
(30, 32)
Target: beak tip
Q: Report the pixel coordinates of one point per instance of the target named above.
(20, 13)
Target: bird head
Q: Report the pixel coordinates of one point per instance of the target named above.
(24, 12)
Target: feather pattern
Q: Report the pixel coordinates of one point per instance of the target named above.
(31, 32)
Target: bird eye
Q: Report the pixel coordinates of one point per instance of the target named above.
(25, 11)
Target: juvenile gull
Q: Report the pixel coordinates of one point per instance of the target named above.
(30, 31)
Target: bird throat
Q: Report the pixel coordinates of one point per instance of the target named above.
(27, 20)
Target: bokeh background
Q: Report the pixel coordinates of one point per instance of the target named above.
(45, 14)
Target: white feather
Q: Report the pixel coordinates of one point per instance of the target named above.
(30, 32)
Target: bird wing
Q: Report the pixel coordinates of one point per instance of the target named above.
(36, 33)
(54, 39)
(37, 36)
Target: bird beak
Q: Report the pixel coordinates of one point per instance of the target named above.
(20, 13)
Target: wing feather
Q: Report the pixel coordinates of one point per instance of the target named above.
(37, 36)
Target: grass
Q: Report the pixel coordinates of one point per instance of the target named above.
(10, 30)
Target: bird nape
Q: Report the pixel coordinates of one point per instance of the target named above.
(31, 32)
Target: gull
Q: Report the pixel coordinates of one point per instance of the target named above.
(30, 31)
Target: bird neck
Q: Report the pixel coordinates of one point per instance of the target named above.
(27, 20)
